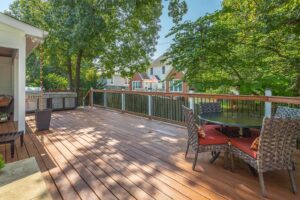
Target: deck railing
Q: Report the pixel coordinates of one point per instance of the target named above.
(167, 106)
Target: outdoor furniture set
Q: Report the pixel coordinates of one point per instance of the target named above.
(6, 106)
(268, 149)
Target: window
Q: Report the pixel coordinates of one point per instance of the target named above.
(126, 81)
(163, 70)
(175, 85)
(112, 80)
(151, 70)
(136, 84)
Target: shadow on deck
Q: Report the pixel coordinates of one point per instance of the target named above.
(101, 154)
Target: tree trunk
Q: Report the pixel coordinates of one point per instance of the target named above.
(78, 66)
(69, 65)
(297, 86)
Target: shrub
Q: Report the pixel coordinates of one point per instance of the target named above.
(2, 163)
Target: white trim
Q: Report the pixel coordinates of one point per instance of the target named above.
(28, 29)
(174, 80)
(133, 83)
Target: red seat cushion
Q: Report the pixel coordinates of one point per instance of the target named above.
(244, 144)
(213, 136)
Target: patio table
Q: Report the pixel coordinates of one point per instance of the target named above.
(234, 119)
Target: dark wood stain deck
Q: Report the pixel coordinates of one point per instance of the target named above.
(100, 154)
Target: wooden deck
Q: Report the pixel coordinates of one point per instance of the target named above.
(100, 154)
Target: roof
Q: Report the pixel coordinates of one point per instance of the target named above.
(144, 75)
(17, 24)
(157, 62)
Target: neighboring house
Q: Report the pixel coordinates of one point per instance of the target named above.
(159, 77)
(116, 82)
(17, 41)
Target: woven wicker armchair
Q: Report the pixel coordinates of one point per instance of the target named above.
(213, 141)
(275, 150)
(287, 112)
(210, 107)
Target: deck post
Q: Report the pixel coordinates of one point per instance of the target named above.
(123, 100)
(191, 101)
(91, 97)
(105, 99)
(150, 106)
(268, 105)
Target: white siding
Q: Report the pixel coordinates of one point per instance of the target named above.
(6, 82)
(117, 80)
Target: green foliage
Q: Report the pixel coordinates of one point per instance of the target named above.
(119, 35)
(2, 163)
(252, 45)
(55, 82)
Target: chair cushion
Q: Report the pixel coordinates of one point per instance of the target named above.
(213, 136)
(244, 144)
(201, 132)
(254, 145)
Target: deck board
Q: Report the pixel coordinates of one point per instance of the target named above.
(101, 154)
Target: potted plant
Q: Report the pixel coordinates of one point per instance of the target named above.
(2, 163)
(42, 114)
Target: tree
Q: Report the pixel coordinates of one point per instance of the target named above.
(120, 34)
(252, 45)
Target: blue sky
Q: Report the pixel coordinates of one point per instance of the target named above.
(196, 8)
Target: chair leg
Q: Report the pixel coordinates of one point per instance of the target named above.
(262, 184)
(252, 170)
(187, 149)
(226, 153)
(12, 149)
(292, 179)
(231, 157)
(215, 156)
(195, 160)
(22, 140)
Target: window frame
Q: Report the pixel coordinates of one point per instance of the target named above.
(175, 88)
(134, 85)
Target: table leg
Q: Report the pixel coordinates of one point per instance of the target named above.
(215, 156)
(241, 132)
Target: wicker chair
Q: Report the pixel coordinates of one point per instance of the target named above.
(213, 141)
(10, 138)
(210, 107)
(287, 112)
(275, 150)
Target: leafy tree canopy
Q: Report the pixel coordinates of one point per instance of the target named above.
(119, 35)
(251, 45)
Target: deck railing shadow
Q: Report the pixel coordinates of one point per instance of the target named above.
(96, 137)
(126, 153)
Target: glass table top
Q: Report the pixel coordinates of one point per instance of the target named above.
(243, 120)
